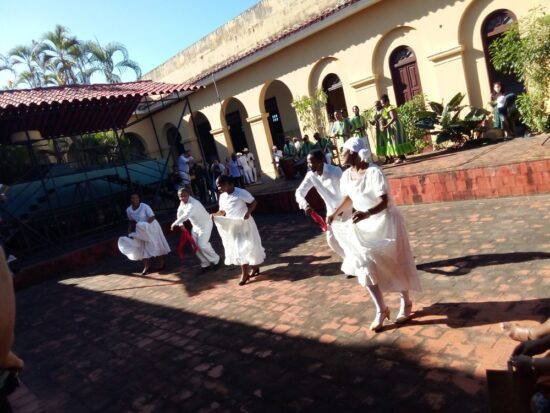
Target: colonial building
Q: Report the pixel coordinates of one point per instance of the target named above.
(356, 50)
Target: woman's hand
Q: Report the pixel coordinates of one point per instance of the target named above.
(247, 215)
(330, 218)
(172, 227)
(359, 216)
(151, 219)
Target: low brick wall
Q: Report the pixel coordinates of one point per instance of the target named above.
(523, 178)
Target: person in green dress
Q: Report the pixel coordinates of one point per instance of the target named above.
(376, 119)
(398, 144)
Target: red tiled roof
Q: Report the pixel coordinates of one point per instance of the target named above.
(274, 39)
(76, 109)
(23, 98)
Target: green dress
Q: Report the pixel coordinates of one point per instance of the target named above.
(396, 137)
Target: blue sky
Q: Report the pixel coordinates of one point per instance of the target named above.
(152, 31)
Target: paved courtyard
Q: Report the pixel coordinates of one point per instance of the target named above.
(296, 339)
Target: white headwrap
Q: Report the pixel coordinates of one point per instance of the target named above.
(357, 145)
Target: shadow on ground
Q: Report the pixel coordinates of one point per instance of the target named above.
(92, 352)
(463, 265)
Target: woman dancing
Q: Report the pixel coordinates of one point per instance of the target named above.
(376, 240)
(240, 237)
(145, 238)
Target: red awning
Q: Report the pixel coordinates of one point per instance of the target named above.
(77, 109)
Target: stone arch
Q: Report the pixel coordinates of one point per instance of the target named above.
(233, 117)
(202, 129)
(474, 59)
(391, 40)
(174, 140)
(138, 147)
(275, 99)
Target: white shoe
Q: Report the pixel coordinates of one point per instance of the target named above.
(405, 313)
(378, 321)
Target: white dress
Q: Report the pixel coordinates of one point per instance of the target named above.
(240, 237)
(377, 248)
(148, 239)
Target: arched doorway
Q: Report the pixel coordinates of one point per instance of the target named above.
(173, 137)
(136, 150)
(206, 140)
(239, 129)
(336, 100)
(493, 27)
(404, 74)
(282, 116)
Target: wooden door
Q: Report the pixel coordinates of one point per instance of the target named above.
(405, 75)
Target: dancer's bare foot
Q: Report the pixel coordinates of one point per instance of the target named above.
(517, 333)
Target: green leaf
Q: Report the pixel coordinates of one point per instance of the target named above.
(455, 101)
(443, 137)
(436, 107)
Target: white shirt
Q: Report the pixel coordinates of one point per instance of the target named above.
(277, 155)
(243, 162)
(250, 158)
(193, 211)
(327, 185)
(183, 164)
(141, 214)
(234, 204)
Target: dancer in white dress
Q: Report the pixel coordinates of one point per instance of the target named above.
(145, 238)
(377, 244)
(325, 179)
(192, 210)
(240, 237)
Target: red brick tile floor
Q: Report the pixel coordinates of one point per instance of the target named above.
(295, 339)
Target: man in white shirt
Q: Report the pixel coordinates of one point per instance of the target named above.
(192, 210)
(252, 163)
(184, 161)
(325, 179)
(247, 170)
(277, 156)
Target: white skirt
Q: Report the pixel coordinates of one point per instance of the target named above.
(378, 251)
(146, 242)
(241, 240)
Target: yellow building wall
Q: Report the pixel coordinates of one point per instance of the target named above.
(445, 36)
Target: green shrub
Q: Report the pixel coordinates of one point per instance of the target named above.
(408, 114)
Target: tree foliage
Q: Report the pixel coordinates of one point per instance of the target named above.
(524, 50)
(311, 111)
(60, 58)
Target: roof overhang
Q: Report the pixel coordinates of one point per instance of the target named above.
(79, 109)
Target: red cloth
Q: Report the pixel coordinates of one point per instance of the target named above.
(319, 220)
(186, 238)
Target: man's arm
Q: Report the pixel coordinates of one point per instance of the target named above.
(302, 191)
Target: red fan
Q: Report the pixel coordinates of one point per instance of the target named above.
(185, 239)
(319, 220)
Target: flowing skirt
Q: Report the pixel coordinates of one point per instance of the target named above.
(146, 242)
(241, 240)
(378, 251)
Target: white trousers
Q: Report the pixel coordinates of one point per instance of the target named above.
(205, 252)
(248, 176)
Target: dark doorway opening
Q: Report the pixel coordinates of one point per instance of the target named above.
(336, 100)
(275, 123)
(236, 130)
(206, 139)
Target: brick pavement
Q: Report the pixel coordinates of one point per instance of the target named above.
(295, 339)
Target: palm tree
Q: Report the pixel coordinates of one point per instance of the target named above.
(81, 57)
(59, 46)
(5, 65)
(25, 56)
(103, 60)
